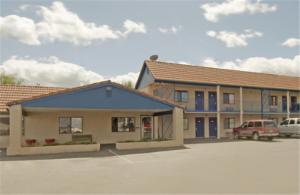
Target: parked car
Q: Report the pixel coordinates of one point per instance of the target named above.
(256, 129)
(289, 127)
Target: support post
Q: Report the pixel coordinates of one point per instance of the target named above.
(261, 104)
(178, 125)
(218, 113)
(288, 104)
(241, 106)
(15, 130)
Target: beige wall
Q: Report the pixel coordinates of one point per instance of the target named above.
(39, 125)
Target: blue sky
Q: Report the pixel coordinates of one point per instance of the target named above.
(249, 39)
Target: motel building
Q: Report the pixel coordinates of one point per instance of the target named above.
(170, 103)
(217, 100)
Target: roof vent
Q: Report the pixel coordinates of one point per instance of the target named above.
(108, 91)
(153, 57)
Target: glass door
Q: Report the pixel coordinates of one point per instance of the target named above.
(147, 127)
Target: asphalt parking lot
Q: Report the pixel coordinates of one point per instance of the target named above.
(220, 168)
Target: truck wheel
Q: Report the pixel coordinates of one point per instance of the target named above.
(255, 136)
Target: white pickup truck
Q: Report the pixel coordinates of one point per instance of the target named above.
(289, 127)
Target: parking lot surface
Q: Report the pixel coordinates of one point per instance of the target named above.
(220, 168)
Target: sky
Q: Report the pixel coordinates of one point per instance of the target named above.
(71, 43)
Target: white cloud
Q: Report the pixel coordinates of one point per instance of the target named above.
(131, 76)
(55, 72)
(20, 28)
(170, 30)
(213, 11)
(291, 42)
(133, 27)
(282, 66)
(233, 39)
(59, 24)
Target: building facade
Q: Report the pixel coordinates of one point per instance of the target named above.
(82, 118)
(217, 100)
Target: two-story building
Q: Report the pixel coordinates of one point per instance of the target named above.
(216, 100)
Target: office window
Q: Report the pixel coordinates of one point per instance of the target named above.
(228, 98)
(68, 125)
(185, 123)
(273, 101)
(123, 124)
(229, 123)
(181, 96)
(4, 125)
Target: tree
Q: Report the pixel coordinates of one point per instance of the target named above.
(9, 79)
(128, 84)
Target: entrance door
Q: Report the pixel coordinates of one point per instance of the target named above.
(147, 127)
(212, 101)
(284, 104)
(199, 127)
(212, 127)
(199, 101)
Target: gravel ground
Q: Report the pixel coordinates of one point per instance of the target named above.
(201, 168)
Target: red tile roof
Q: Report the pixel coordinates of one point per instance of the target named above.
(10, 93)
(199, 74)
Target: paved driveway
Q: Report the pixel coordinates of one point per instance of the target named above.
(228, 167)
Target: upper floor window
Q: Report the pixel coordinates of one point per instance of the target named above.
(273, 100)
(123, 124)
(70, 125)
(181, 96)
(228, 98)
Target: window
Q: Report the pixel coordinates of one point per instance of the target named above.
(69, 125)
(123, 124)
(298, 121)
(4, 125)
(229, 123)
(228, 98)
(285, 122)
(273, 100)
(181, 96)
(257, 124)
(244, 125)
(185, 123)
(292, 122)
(251, 124)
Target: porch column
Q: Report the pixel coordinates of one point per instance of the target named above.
(15, 130)
(218, 113)
(241, 106)
(288, 104)
(156, 127)
(177, 119)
